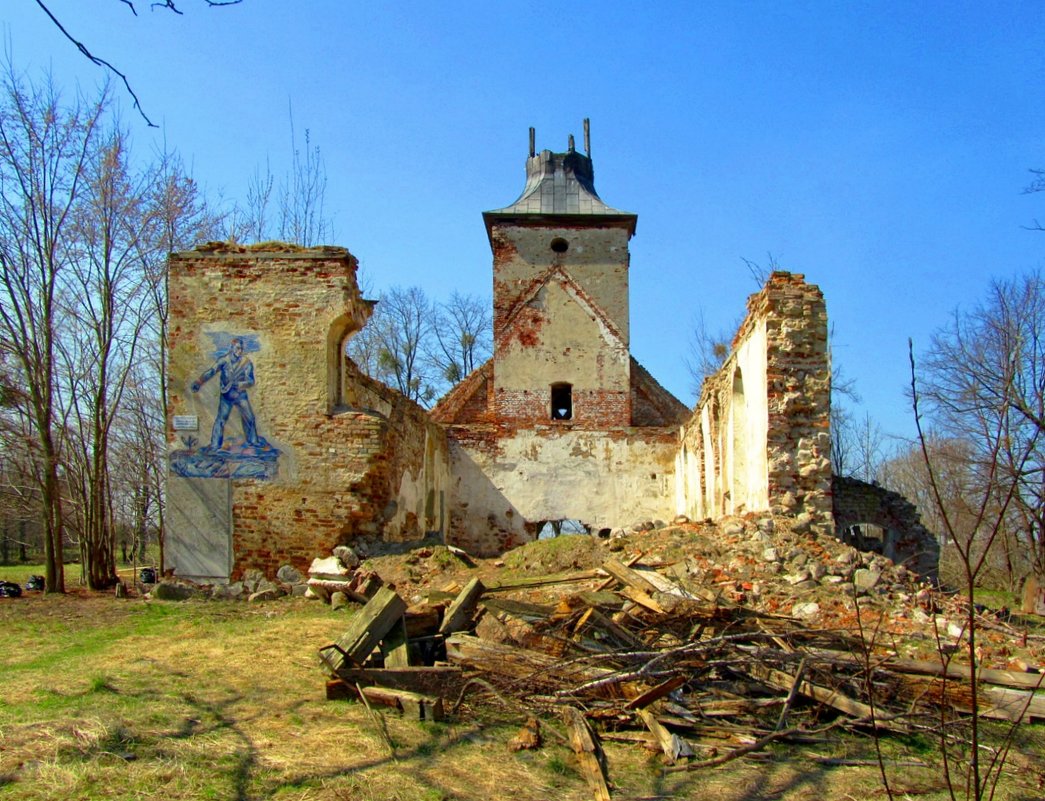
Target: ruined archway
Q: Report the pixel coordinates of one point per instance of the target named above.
(904, 540)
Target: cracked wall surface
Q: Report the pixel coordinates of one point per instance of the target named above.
(311, 453)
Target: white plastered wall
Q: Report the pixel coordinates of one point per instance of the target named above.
(605, 479)
(729, 446)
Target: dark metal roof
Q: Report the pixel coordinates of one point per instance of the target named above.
(560, 185)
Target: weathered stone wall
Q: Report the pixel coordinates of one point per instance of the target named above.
(760, 436)
(906, 540)
(332, 455)
(561, 317)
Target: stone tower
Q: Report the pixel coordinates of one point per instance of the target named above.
(560, 298)
(562, 423)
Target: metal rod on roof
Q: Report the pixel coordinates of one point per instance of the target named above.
(533, 142)
(587, 137)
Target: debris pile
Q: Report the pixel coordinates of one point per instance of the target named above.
(675, 652)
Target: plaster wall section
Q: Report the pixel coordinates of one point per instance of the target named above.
(596, 256)
(759, 437)
(316, 470)
(505, 485)
(551, 327)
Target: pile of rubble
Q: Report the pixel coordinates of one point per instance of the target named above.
(754, 635)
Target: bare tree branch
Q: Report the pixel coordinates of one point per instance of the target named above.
(101, 62)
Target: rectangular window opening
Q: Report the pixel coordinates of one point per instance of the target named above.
(562, 401)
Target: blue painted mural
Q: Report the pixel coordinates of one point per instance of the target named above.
(246, 456)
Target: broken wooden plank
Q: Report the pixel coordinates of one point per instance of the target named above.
(522, 609)
(541, 671)
(443, 681)
(395, 646)
(643, 599)
(631, 562)
(673, 746)
(656, 693)
(459, 616)
(541, 581)
(365, 630)
(856, 709)
(589, 753)
(629, 577)
(414, 706)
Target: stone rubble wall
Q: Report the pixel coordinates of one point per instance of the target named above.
(354, 457)
(906, 540)
(759, 439)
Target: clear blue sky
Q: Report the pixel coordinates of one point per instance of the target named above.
(879, 148)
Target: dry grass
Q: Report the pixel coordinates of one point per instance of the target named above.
(204, 700)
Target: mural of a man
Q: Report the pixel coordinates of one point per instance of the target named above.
(237, 375)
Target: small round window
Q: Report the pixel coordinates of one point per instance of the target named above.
(560, 245)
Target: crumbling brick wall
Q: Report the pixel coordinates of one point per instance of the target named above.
(334, 454)
(561, 317)
(759, 439)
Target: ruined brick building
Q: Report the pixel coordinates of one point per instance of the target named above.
(280, 448)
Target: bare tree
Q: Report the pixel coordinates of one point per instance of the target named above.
(291, 208)
(462, 336)
(169, 5)
(45, 148)
(392, 346)
(985, 384)
(707, 352)
(302, 194)
(857, 444)
(107, 306)
(986, 501)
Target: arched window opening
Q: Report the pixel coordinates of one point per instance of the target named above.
(562, 402)
(739, 443)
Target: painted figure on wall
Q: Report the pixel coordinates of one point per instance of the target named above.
(228, 455)
(237, 375)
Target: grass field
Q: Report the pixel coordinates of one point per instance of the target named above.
(101, 698)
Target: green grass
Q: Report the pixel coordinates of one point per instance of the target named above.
(103, 698)
(21, 573)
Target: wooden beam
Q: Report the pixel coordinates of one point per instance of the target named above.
(1003, 678)
(365, 630)
(414, 706)
(459, 616)
(628, 577)
(672, 745)
(540, 581)
(589, 753)
(396, 646)
(444, 681)
(856, 709)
